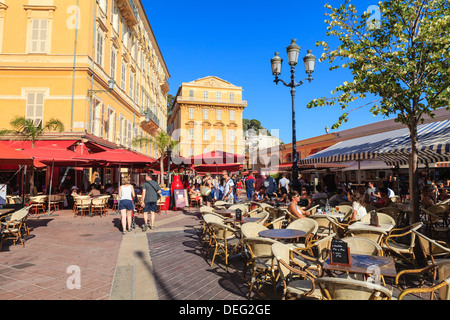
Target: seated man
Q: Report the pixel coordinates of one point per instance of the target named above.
(338, 198)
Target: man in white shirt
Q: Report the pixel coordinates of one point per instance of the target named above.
(228, 190)
(284, 182)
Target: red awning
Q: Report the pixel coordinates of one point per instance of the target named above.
(22, 144)
(117, 157)
(54, 154)
(216, 157)
(11, 157)
(231, 167)
(175, 161)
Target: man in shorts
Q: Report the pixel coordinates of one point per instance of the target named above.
(150, 191)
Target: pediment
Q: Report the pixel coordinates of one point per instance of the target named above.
(212, 81)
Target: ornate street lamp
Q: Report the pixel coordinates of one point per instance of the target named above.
(309, 60)
(111, 83)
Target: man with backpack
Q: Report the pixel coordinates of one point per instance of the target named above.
(150, 194)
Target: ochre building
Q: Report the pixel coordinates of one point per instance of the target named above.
(58, 62)
(207, 115)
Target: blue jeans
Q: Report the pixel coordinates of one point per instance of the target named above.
(249, 193)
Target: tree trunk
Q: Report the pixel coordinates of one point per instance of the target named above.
(413, 174)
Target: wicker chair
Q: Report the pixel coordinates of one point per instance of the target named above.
(99, 205)
(310, 226)
(224, 239)
(382, 218)
(364, 246)
(404, 251)
(437, 220)
(373, 234)
(301, 287)
(37, 204)
(395, 213)
(82, 205)
(350, 289)
(251, 229)
(441, 283)
(15, 228)
(431, 248)
(261, 260)
(325, 228)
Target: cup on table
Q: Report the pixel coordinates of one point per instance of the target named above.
(337, 209)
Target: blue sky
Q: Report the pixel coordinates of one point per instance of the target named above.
(235, 40)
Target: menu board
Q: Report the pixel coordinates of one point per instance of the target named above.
(180, 198)
(339, 253)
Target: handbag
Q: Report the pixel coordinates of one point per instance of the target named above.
(204, 190)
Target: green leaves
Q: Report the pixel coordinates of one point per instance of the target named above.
(403, 59)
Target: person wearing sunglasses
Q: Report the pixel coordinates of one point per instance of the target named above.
(294, 208)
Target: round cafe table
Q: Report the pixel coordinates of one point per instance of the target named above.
(244, 220)
(282, 234)
(224, 212)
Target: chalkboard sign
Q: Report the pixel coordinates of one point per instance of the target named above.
(339, 253)
(374, 218)
(238, 215)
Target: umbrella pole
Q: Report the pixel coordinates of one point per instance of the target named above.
(50, 193)
(118, 186)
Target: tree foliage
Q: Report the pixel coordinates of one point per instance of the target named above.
(402, 59)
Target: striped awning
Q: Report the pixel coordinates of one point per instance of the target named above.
(392, 147)
(445, 164)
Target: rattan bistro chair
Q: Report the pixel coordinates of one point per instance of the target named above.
(350, 289)
(251, 229)
(374, 234)
(260, 258)
(441, 283)
(224, 239)
(310, 226)
(432, 249)
(15, 228)
(296, 282)
(403, 250)
(82, 205)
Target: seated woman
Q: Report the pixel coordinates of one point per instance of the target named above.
(384, 200)
(427, 197)
(195, 194)
(358, 204)
(261, 195)
(304, 200)
(283, 197)
(294, 208)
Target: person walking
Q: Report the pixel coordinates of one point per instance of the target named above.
(228, 189)
(250, 186)
(150, 191)
(126, 206)
(207, 200)
(284, 183)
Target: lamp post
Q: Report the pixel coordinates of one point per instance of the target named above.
(309, 60)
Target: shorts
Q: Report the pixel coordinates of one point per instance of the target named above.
(150, 206)
(207, 198)
(126, 205)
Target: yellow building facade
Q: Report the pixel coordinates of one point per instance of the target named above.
(207, 115)
(57, 58)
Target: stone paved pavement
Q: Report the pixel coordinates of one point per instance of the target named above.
(162, 264)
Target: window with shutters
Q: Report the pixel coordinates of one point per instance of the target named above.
(205, 134)
(191, 134)
(191, 113)
(232, 115)
(219, 115)
(113, 63)
(123, 78)
(35, 107)
(218, 135)
(99, 54)
(39, 35)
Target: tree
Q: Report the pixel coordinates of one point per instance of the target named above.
(161, 142)
(401, 59)
(25, 129)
